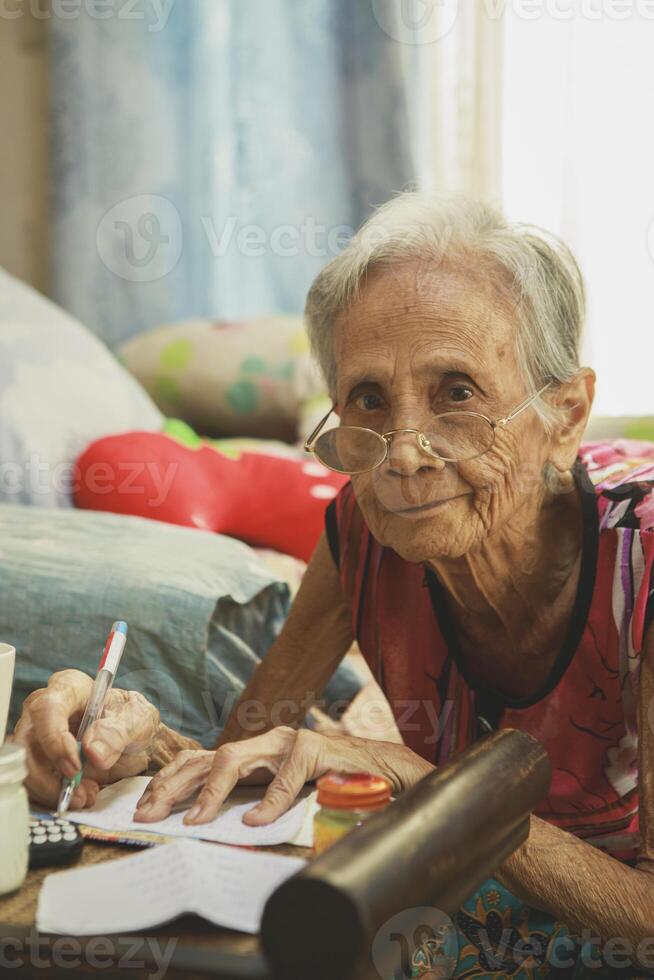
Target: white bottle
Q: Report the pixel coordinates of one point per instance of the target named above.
(14, 809)
(7, 661)
(14, 818)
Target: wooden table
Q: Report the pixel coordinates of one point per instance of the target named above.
(197, 948)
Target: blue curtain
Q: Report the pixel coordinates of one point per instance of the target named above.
(209, 156)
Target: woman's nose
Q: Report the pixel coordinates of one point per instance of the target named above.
(405, 457)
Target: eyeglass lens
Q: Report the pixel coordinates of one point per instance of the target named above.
(456, 436)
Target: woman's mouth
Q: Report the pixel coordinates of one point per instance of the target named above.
(431, 505)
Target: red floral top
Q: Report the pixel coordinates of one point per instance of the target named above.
(585, 714)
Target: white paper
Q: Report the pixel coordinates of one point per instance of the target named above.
(227, 886)
(115, 805)
(304, 837)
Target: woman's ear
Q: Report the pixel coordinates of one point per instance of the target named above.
(573, 399)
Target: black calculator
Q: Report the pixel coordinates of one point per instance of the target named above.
(53, 840)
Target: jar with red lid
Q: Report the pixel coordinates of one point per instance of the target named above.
(346, 800)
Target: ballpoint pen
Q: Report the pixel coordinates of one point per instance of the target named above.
(102, 685)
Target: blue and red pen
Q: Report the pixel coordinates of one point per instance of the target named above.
(102, 685)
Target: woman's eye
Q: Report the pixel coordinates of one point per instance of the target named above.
(369, 402)
(460, 393)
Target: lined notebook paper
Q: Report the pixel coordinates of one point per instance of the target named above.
(115, 805)
(227, 886)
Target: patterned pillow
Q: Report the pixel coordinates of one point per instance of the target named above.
(229, 378)
(60, 389)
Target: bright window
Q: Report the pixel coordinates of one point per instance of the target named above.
(578, 158)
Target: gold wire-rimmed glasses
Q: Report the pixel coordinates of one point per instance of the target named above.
(453, 437)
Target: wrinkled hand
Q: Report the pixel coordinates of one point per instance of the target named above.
(117, 745)
(293, 758)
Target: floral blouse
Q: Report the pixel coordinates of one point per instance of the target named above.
(586, 713)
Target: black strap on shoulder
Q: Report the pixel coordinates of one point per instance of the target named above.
(488, 710)
(331, 530)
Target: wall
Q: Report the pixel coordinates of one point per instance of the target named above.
(23, 146)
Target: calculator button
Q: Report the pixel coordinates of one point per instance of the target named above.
(38, 840)
(54, 838)
(70, 835)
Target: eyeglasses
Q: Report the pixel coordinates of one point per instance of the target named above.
(452, 437)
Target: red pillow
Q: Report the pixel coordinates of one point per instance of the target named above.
(267, 500)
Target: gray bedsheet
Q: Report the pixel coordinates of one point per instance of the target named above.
(202, 610)
(192, 600)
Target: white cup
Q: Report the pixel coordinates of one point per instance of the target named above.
(7, 660)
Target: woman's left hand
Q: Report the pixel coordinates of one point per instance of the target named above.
(293, 756)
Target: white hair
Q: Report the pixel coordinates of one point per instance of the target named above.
(535, 270)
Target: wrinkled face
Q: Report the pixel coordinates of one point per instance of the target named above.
(421, 341)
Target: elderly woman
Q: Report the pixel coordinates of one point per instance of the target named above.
(488, 580)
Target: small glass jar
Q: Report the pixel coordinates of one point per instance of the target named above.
(346, 800)
(14, 818)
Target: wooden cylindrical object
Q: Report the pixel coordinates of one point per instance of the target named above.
(433, 847)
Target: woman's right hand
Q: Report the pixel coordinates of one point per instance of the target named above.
(118, 744)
